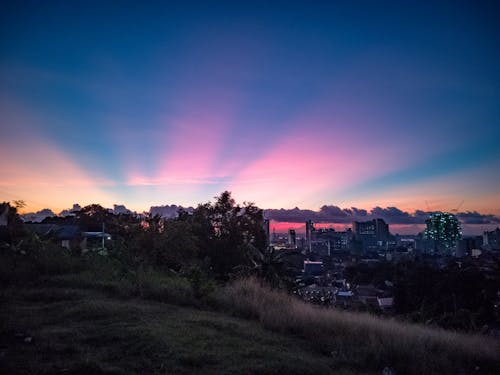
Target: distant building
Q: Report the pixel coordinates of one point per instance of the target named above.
(267, 231)
(385, 303)
(67, 236)
(292, 238)
(94, 240)
(309, 230)
(332, 240)
(373, 234)
(467, 244)
(491, 240)
(408, 242)
(400, 254)
(70, 236)
(443, 230)
(313, 268)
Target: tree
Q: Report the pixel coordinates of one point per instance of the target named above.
(93, 217)
(227, 233)
(13, 231)
(272, 266)
(176, 247)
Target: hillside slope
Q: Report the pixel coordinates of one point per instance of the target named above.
(55, 330)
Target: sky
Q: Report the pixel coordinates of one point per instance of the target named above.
(285, 104)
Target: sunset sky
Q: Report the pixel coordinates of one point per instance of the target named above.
(284, 103)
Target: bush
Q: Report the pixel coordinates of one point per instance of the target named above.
(154, 285)
(113, 277)
(21, 268)
(55, 260)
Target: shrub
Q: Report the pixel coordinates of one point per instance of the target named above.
(21, 268)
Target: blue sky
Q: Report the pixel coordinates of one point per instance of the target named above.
(284, 103)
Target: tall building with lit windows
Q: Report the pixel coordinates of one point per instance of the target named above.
(373, 234)
(443, 231)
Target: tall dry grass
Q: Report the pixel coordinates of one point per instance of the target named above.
(364, 341)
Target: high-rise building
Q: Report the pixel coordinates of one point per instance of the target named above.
(443, 230)
(292, 238)
(373, 234)
(309, 229)
(491, 239)
(336, 241)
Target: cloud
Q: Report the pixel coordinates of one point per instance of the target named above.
(71, 211)
(46, 212)
(38, 216)
(168, 212)
(120, 209)
(392, 215)
(474, 217)
(326, 214)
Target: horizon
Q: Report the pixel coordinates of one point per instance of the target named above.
(281, 220)
(285, 104)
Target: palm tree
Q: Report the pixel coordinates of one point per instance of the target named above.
(272, 266)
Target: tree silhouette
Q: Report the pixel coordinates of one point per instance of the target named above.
(227, 233)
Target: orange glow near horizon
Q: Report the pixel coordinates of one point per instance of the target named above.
(42, 175)
(297, 106)
(297, 169)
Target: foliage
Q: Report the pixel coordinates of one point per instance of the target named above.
(227, 234)
(13, 233)
(454, 297)
(274, 267)
(201, 285)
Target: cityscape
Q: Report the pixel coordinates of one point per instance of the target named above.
(321, 259)
(249, 187)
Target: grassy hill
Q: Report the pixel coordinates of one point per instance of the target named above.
(64, 318)
(80, 331)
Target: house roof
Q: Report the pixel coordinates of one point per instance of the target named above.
(59, 231)
(97, 234)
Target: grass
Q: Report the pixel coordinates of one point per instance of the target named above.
(362, 341)
(93, 316)
(84, 331)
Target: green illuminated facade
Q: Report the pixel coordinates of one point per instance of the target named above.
(443, 230)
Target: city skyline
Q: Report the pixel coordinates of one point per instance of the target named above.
(327, 217)
(284, 104)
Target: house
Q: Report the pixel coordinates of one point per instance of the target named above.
(368, 295)
(385, 303)
(343, 299)
(94, 240)
(312, 268)
(68, 236)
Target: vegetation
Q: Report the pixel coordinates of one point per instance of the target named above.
(71, 330)
(362, 341)
(172, 297)
(459, 296)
